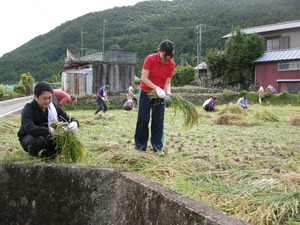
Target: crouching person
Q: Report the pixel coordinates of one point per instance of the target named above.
(35, 133)
(129, 104)
(210, 105)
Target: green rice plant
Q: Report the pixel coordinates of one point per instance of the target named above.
(284, 95)
(72, 149)
(269, 95)
(188, 109)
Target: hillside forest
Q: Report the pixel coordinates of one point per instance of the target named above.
(140, 28)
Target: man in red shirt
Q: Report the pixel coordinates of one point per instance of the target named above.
(157, 73)
(60, 98)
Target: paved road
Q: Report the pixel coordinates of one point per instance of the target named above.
(13, 106)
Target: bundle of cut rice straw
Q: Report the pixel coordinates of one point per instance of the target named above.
(72, 149)
(188, 109)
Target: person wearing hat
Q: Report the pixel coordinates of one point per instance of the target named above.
(209, 105)
(60, 98)
(101, 98)
(243, 101)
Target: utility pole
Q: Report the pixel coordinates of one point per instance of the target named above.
(81, 35)
(104, 22)
(199, 47)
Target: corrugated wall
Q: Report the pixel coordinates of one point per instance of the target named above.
(118, 75)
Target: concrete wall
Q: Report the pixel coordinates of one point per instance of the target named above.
(62, 194)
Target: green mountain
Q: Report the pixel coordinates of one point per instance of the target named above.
(140, 28)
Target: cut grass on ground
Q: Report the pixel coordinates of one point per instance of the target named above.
(247, 166)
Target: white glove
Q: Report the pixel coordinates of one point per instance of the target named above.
(73, 127)
(160, 92)
(52, 131)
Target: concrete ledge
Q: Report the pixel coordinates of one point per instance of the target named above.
(63, 194)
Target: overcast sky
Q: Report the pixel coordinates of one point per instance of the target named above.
(23, 20)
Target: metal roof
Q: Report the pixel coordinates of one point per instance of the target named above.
(279, 55)
(288, 80)
(269, 27)
(201, 66)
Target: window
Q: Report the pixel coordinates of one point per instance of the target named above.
(287, 66)
(278, 43)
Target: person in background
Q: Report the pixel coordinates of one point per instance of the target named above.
(35, 133)
(156, 76)
(60, 98)
(261, 93)
(129, 104)
(243, 102)
(209, 105)
(271, 89)
(130, 93)
(101, 98)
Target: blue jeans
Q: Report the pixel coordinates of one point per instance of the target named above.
(157, 106)
(101, 105)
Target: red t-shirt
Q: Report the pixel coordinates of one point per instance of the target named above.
(62, 97)
(158, 71)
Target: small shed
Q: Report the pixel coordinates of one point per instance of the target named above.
(88, 73)
(279, 68)
(202, 69)
(77, 81)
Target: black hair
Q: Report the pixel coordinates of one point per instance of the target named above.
(42, 87)
(134, 99)
(167, 46)
(73, 98)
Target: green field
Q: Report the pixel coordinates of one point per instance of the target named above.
(244, 162)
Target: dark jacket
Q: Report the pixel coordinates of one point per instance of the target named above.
(35, 122)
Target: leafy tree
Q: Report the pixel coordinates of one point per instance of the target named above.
(183, 75)
(240, 50)
(27, 82)
(216, 62)
(20, 89)
(115, 48)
